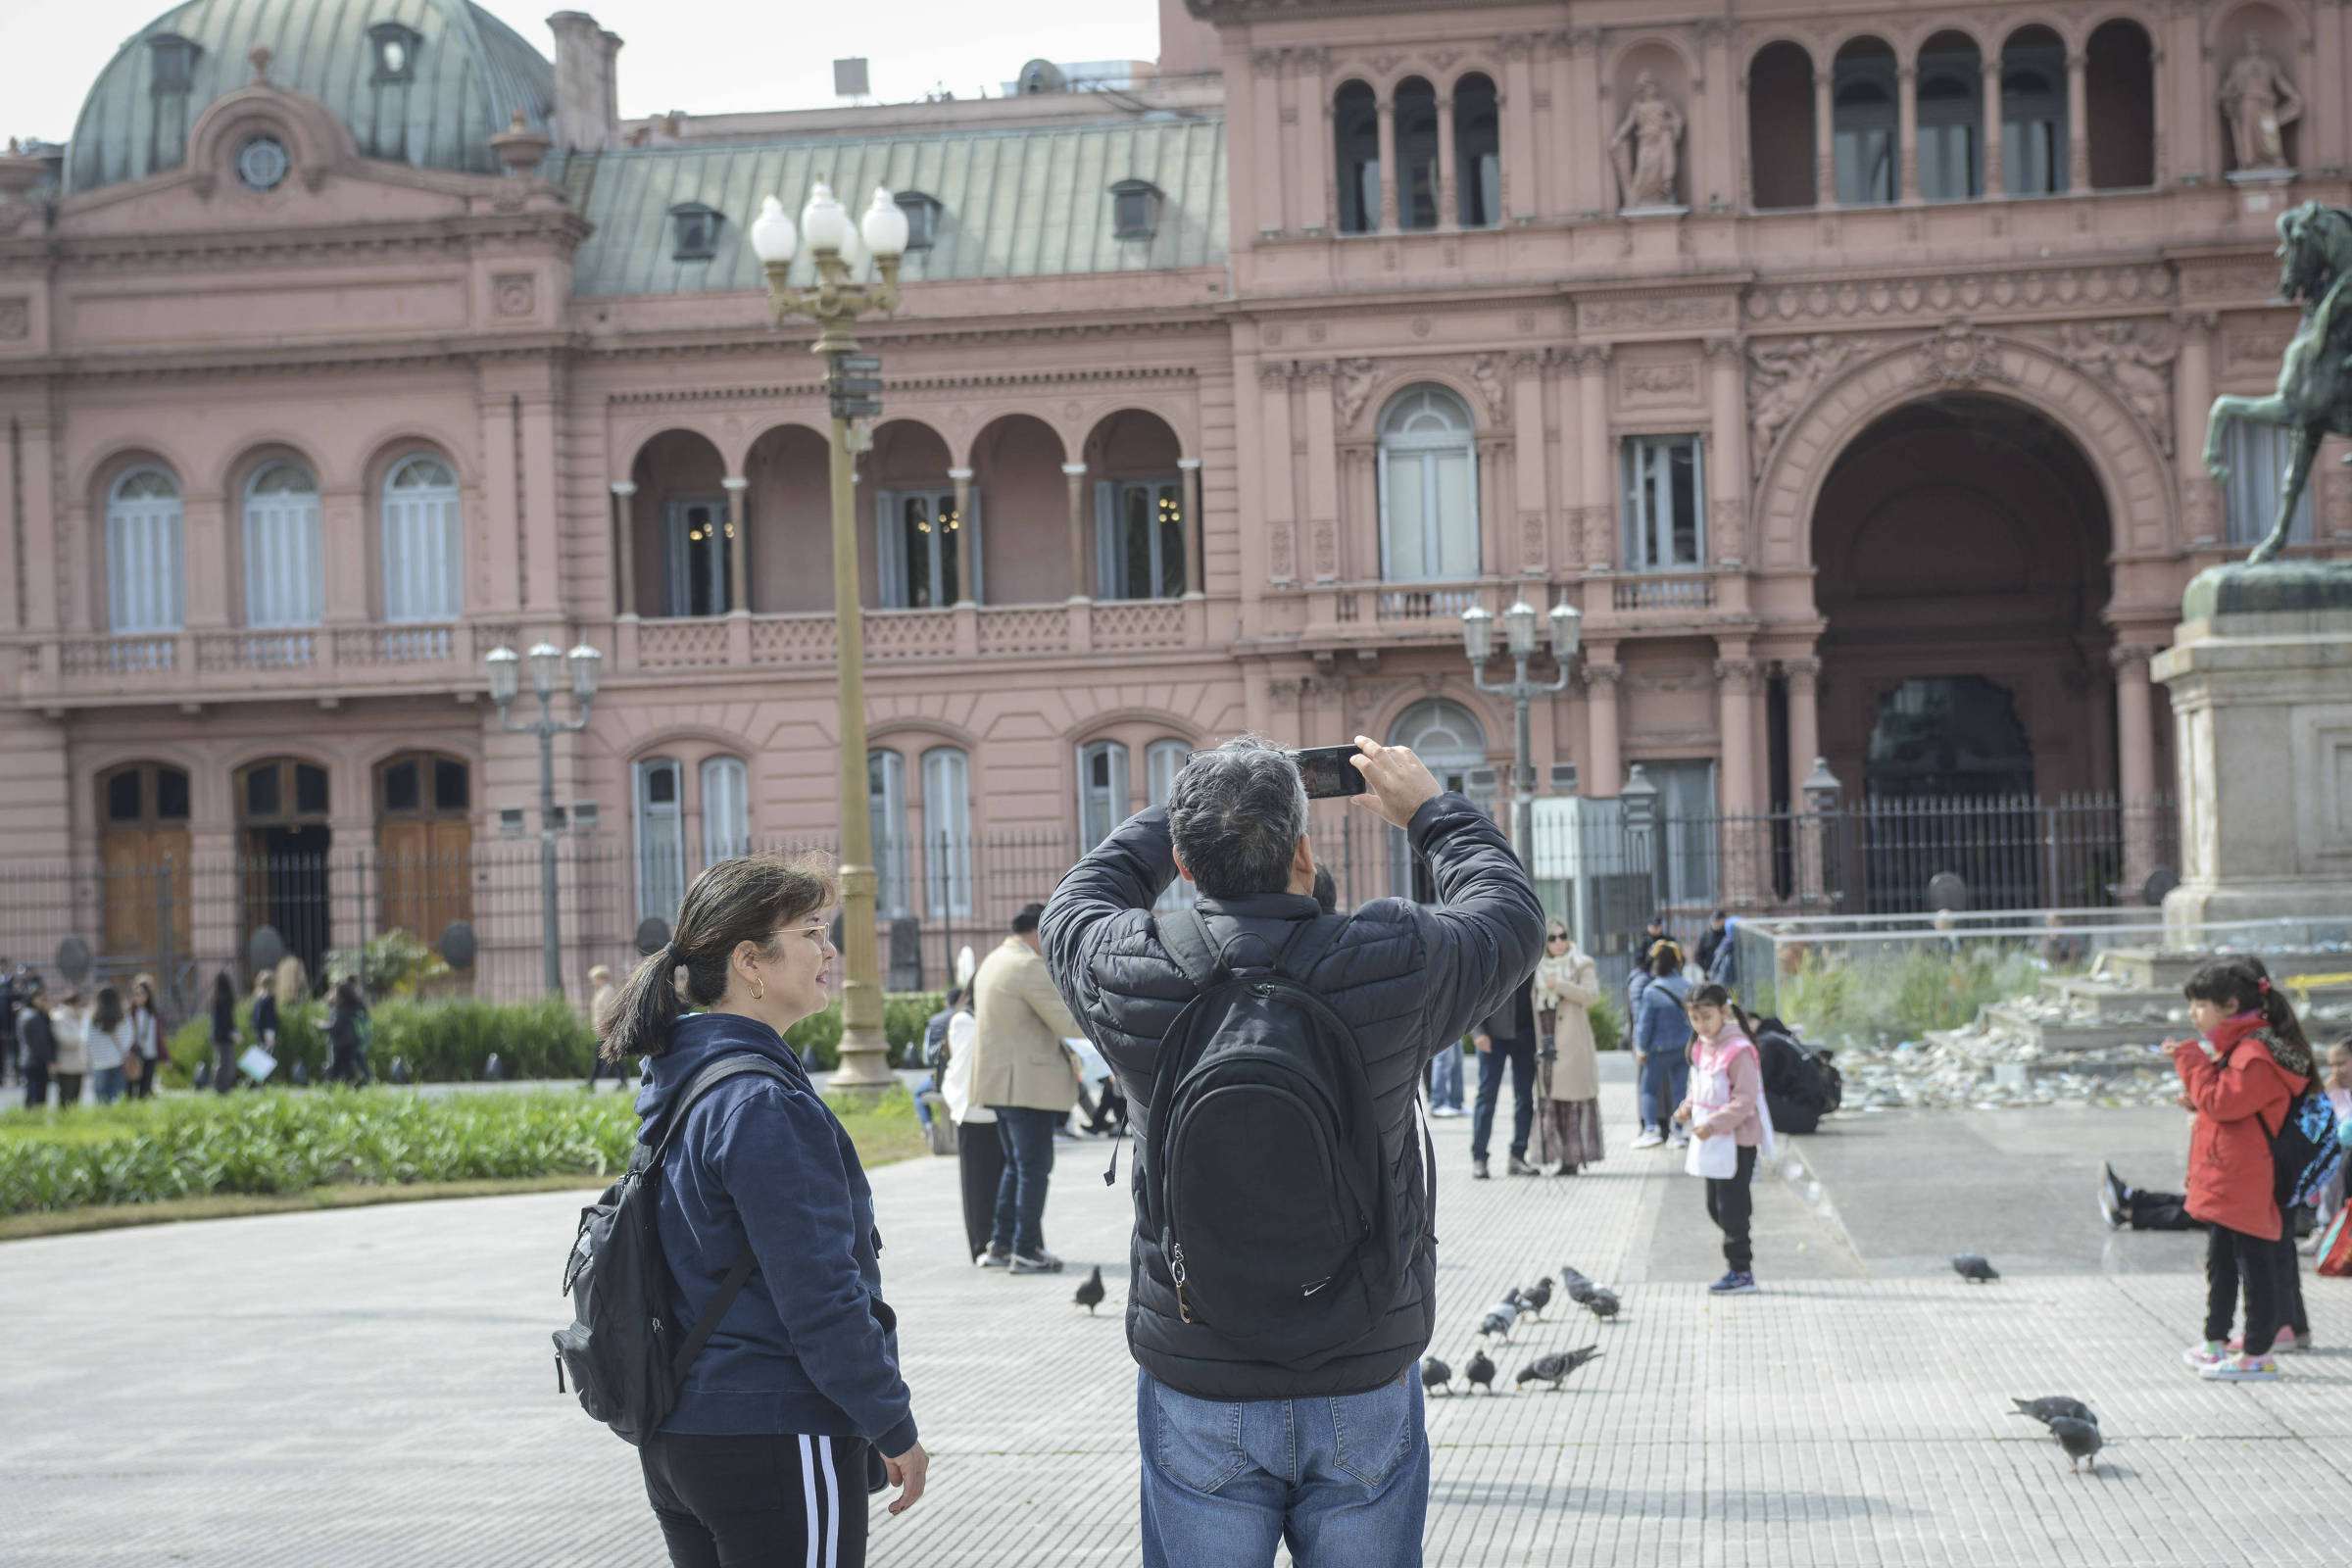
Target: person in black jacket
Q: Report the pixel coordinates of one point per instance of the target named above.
(347, 1035)
(224, 1033)
(1239, 1452)
(1505, 1041)
(34, 1039)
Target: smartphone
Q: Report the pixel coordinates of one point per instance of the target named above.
(1328, 772)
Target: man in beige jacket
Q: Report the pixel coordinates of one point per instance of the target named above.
(1022, 1072)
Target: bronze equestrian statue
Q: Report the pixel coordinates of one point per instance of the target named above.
(2313, 399)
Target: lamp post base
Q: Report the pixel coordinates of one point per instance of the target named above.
(864, 1062)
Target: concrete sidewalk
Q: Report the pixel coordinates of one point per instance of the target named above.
(375, 1389)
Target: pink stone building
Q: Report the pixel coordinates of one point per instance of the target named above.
(1845, 367)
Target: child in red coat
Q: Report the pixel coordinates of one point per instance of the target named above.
(2240, 1080)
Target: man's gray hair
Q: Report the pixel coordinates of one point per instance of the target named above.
(1236, 815)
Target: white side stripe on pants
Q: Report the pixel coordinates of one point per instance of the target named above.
(808, 1494)
(832, 1509)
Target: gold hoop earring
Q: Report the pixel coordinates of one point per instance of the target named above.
(759, 988)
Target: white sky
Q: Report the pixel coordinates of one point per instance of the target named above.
(703, 56)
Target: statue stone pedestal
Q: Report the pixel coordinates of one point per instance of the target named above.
(2261, 677)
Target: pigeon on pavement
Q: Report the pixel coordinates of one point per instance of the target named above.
(1435, 1374)
(1479, 1371)
(2080, 1439)
(1555, 1367)
(1090, 1294)
(1971, 1267)
(1579, 1288)
(1603, 1303)
(2051, 1406)
(1499, 1320)
(1537, 1297)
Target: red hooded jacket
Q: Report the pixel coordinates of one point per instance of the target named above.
(2240, 1099)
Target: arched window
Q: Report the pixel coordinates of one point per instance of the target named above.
(886, 803)
(1428, 487)
(1780, 127)
(2119, 84)
(1477, 152)
(2034, 113)
(1355, 144)
(1416, 154)
(726, 809)
(1862, 121)
(1951, 118)
(1162, 761)
(1102, 791)
(1450, 742)
(423, 569)
(285, 579)
(661, 839)
(948, 833)
(144, 565)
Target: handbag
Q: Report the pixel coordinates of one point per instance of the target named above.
(2336, 1246)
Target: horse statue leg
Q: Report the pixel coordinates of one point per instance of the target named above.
(2290, 491)
(2228, 409)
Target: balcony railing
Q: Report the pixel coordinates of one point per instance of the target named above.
(1669, 590)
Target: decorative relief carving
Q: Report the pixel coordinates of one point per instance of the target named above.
(1906, 296)
(16, 317)
(1326, 549)
(2134, 357)
(1675, 382)
(1959, 356)
(1727, 521)
(1353, 389)
(2231, 280)
(2254, 351)
(1273, 373)
(1278, 552)
(1781, 378)
(1486, 374)
(514, 294)
(1531, 529)
(1649, 310)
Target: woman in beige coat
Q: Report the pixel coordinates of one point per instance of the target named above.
(1567, 984)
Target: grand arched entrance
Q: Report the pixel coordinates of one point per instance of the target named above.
(1960, 547)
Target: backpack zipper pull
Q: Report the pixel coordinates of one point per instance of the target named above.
(1183, 1308)
(560, 1388)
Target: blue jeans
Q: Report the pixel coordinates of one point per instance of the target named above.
(1445, 1077)
(922, 1106)
(1665, 1079)
(107, 1085)
(1027, 1135)
(1518, 1057)
(1345, 1480)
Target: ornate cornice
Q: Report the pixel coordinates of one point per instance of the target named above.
(230, 248)
(900, 387)
(1813, 302)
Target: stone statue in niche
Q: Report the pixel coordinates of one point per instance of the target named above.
(1645, 147)
(2259, 101)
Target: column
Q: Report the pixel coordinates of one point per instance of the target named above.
(624, 535)
(501, 522)
(1448, 213)
(1825, 144)
(2135, 759)
(1726, 481)
(1322, 476)
(1520, 190)
(1196, 535)
(14, 522)
(2078, 125)
(1804, 724)
(961, 478)
(738, 588)
(1390, 216)
(1591, 188)
(1606, 774)
(1906, 116)
(204, 548)
(1598, 484)
(1080, 587)
(1279, 495)
(1532, 549)
(1736, 835)
(2202, 518)
(1312, 154)
(544, 548)
(1989, 96)
(2324, 115)
(34, 472)
(80, 615)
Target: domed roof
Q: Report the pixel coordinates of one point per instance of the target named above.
(424, 83)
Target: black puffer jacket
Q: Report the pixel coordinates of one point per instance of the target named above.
(1409, 980)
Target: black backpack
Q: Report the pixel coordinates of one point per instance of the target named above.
(1262, 1176)
(626, 1360)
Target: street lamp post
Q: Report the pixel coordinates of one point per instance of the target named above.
(1519, 638)
(547, 672)
(835, 303)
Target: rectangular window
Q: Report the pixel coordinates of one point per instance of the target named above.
(1162, 764)
(143, 567)
(886, 808)
(948, 833)
(1864, 157)
(921, 549)
(421, 568)
(726, 809)
(661, 840)
(1102, 791)
(1139, 543)
(695, 532)
(1664, 503)
(2258, 455)
(1429, 501)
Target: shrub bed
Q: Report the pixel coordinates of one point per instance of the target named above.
(1885, 999)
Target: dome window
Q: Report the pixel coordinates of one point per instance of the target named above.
(395, 46)
(172, 60)
(922, 218)
(261, 163)
(694, 232)
(1134, 209)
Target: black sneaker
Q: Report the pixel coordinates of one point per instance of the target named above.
(1478, 1170)
(2114, 1197)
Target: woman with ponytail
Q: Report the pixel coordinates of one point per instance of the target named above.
(2240, 1079)
(765, 1459)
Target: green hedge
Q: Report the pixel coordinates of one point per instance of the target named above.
(1882, 999)
(905, 1015)
(278, 1142)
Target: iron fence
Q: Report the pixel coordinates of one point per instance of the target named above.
(1607, 873)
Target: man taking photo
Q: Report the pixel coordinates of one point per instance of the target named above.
(1283, 1271)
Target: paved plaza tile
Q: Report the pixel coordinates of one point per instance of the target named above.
(375, 1388)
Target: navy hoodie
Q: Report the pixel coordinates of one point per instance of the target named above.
(808, 1347)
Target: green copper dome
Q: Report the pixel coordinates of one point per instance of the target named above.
(424, 82)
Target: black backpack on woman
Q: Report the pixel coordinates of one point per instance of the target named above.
(628, 1361)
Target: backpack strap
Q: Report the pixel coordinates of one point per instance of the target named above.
(708, 1323)
(1184, 934)
(702, 1083)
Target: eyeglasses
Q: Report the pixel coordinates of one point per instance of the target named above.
(1555, 936)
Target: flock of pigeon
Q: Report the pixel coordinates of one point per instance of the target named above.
(1500, 1318)
(2069, 1421)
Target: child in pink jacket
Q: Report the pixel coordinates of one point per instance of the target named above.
(1726, 1101)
